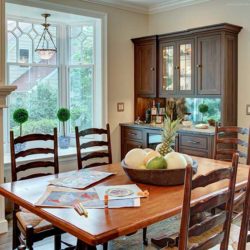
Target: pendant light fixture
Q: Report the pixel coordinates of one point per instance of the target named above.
(43, 48)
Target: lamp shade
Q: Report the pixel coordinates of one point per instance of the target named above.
(46, 54)
(44, 51)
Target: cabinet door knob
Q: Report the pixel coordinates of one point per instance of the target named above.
(198, 65)
(152, 69)
(177, 67)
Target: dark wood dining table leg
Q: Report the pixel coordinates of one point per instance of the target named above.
(83, 246)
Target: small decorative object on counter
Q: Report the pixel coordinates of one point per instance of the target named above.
(153, 109)
(148, 116)
(63, 115)
(168, 135)
(20, 116)
(138, 120)
(211, 122)
(203, 108)
(176, 108)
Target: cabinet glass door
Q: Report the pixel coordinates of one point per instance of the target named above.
(168, 68)
(185, 67)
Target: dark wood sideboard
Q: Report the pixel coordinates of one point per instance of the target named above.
(188, 141)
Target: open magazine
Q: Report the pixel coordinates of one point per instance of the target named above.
(65, 197)
(80, 179)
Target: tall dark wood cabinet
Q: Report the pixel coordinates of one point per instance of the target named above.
(199, 62)
(145, 60)
(209, 67)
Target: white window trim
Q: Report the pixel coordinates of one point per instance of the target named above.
(103, 17)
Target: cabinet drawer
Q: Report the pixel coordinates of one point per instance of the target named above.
(194, 152)
(134, 134)
(199, 142)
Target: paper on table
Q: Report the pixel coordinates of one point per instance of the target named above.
(118, 192)
(113, 203)
(66, 197)
(80, 179)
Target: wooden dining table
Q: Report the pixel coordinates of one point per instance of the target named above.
(103, 225)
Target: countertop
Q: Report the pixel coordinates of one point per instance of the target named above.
(190, 130)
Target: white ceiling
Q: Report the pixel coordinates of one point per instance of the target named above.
(147, 6)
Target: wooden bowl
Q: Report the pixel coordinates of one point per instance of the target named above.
(158, 177)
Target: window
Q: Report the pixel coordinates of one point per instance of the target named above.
(214, 109)
(72, 78)
(37, 80)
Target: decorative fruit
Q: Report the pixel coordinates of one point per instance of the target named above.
(168, 136)
(151, 155)
(175, 160)
(135, 158)
(156, 163)
(148, 149)
(188, 159)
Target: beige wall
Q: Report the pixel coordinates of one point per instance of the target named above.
(122, 26)
(216, 11)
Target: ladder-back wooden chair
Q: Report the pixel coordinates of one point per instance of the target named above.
(83, 156)
(29, 228)
(211, 230)
(227, 142)
(245, 223)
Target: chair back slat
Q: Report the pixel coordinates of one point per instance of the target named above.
(34, 151)
(234, 129)
(213, 176)
(211, 242)
(34, 176)
(95, 155)
(93, 144)
(16, 168)
(207, 224)
(34, 137)
(95, 164)
(221, 221)
(245, 223)
(233, 141)
(210, 203)
(93, 131)
(230, 152)
(226, 143)
(35, 164)
(82, 153)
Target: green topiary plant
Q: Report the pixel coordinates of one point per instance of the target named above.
(203, 108)
(20, 116)
(63, 115)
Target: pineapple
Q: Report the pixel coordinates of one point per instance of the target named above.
(168, 135)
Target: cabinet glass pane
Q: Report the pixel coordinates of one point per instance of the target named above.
(185, 66)
(168, 68)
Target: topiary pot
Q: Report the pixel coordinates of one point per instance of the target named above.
(64, 142)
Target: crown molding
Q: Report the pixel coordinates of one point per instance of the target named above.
(122, 6)
(152, 9)
(173, 4)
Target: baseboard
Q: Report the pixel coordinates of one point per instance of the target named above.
(3, 226)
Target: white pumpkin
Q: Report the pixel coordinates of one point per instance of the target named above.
(175, 160)
(188, 159)
(151, 155)
(148, 150)
(135, 158)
